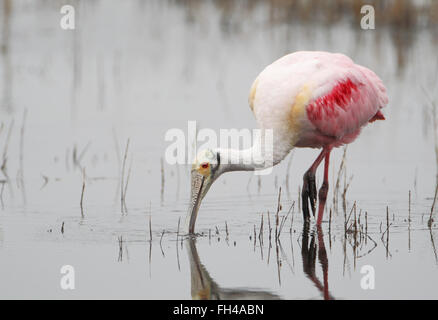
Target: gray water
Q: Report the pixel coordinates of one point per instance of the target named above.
(132, 69)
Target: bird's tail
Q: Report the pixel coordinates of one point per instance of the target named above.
(377, 116)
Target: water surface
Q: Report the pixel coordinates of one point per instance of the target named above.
(135, 70)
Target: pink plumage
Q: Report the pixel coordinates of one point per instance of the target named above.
(342, 98)
(316, 99)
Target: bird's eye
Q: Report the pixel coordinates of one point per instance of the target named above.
(204, 165)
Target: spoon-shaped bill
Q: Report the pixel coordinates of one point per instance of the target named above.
(196, 194)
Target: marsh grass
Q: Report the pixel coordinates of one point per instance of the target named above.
(123, 185)
(81, 203)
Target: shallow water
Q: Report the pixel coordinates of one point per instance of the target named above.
(133, 70)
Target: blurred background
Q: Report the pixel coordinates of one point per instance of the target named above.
(138, 68)
(71, 99)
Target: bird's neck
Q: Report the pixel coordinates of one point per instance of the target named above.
(259, 157)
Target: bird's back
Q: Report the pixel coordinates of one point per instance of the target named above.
(316, 98)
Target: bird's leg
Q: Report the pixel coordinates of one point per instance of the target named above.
(308, 193)
(322, 195)
(309, 187)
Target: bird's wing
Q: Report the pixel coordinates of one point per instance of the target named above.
(319, 90)
(346, 100)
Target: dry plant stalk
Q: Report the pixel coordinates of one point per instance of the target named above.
(82, 193)
(161, 240)
(284, 219)
(430, 221)
(20, 177)
(120, 240)
(150, 228)
(276, 215)
(338, 180)
(122, 183)
(261, 231)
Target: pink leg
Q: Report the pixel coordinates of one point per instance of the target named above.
(322, 195)
(309, 187)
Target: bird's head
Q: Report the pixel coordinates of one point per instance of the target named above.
(205, 170)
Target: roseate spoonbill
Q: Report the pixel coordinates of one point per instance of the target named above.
(309, 100)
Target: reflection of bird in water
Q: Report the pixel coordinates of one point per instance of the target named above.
(306, 100)
(309, 252)
(205, 288)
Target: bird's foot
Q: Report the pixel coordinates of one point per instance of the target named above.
(309, 194)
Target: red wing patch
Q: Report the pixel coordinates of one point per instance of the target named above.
(340, 96)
